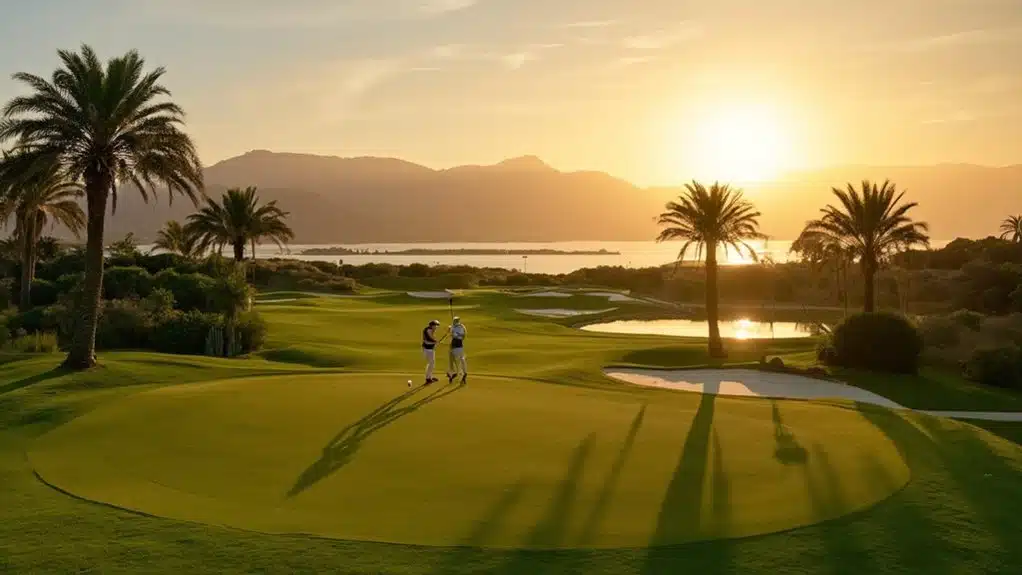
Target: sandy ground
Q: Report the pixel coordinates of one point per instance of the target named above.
(431, 294)
(754, 383)
(748, 382)
(546, 294)
(563, 312)
(611, 296)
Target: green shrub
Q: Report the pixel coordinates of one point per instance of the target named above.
(6, 293)
(159, 303)
(940, 331)
(878, 341)
(126, 282)
(184, 332)
(68, 282)
(123, 324)
(41, 342)
(190, 290)
(37, 319)
(44, 292)
(5, 335)
(970, 319)
(252, 331)
(997, 367)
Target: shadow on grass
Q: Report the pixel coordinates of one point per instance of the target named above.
(681, 513)
(592, 524)
(787, 450)
(552, 528)
(343, 447)
(34, 379)
(981, 505)
(463, 559)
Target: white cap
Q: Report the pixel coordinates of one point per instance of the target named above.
(457, 319)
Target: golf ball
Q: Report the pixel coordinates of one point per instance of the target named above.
(409, 383)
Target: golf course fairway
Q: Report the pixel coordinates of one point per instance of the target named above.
(496, 463)
(313, 456)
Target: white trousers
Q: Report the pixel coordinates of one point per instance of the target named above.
(430, 355)
(456, 359)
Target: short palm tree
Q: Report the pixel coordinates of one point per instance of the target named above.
(711, 218)
(177, 239)
(871, 224)
(106, 125)
(239, 220)
(35, 195)
(1011, 229)
(822, 253)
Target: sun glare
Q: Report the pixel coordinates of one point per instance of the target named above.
(741, 144)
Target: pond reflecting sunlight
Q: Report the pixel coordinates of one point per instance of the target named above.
(734, 329)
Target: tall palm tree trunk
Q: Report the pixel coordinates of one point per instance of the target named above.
(239, 250)
(869, 279)
(83, 337)
(27, 263)
(716, 346)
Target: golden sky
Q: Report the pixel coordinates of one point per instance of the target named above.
(655, 91)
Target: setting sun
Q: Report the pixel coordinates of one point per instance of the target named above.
(741, 144)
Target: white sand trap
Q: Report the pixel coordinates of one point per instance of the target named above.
(546, 294)
(749, 383)
(282, 300)
(611, 296)
(431, 294)
(563, 312)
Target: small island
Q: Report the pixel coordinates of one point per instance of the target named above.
(341, 251)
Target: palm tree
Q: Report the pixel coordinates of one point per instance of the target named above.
(871, 224)
(718, 217)
(177, 239)
(1011, 228)
(36, 196)
(106, 125)
(239, 220)
(822, 253)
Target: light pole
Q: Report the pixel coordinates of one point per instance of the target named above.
(525, 264)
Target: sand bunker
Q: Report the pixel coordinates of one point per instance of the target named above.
(431, 294)
(563, 312)
(611, 296)
(748, 382)
(546, 294)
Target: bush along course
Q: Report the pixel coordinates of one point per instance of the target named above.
(159, 302)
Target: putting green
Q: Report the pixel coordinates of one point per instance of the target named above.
(497, 463)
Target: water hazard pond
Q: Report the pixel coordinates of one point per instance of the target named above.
(736, 329)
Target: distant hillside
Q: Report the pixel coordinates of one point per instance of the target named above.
(371, 200)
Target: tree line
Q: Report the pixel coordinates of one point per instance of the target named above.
(82, 134)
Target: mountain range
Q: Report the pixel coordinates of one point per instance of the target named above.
(387, 200)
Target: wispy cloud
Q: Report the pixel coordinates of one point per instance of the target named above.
(514, 59)
(590, 24)
(960, 39)
(294, 13)
(661, 39)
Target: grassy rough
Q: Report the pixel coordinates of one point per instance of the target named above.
(957, 514)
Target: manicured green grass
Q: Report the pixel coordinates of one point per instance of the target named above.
(549, 439)
(359, 457)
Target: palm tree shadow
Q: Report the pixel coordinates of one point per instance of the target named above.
(682, 510)
(592, 523)
(341, 449)
(552, 528)
(788, 450)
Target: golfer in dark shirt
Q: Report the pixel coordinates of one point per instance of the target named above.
(429, 349)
